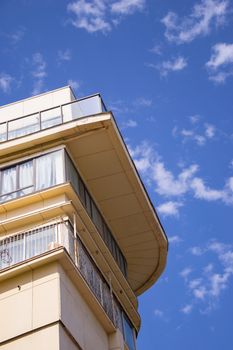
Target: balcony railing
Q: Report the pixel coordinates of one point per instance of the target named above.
(23, 246)
(48, 118)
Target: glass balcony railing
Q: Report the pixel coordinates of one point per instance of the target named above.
(48, 118)
(23, 246)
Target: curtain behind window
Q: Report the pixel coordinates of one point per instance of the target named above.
(8, 183)
(49, 170)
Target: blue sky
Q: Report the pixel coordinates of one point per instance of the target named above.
(165, 68)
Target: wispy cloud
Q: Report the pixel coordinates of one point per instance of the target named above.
(220, 64)
(5, 82)
(75, 84)
(173, 65)
(187, 309)
(168, 185)
(207, 285)
(199, 133)
(159, 313)
(64, 55)
(186, 272)
(101, 15)
(170, 208)
(129, 124)
(39, 72)
(199, 22)
(16, 36)
(174, 239)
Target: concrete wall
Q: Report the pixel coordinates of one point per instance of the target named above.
(33, 303)
(36, 104)
(79, 318)
(29, 301)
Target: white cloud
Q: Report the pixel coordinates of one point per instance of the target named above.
(187, 309)
(126, 7)
(129, 124)
(174, 239)
(202, 191)
(207, 287)
(101, 15)
(144, 102)
(194, 119)
(39, 72)
(196, 132)
(167, 184)
(158, 313)
(157, 49)
(17, 36)
(174, 65)
(210, 131)
(186, 272)
(89, 15)
(75, 84)
(196, 251)
(65, 55)
(223, 54)
(199, 23)
(220, 64)
(39, 66)
(5, 82)
(170, 208)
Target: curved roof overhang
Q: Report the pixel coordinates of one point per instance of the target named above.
(104, 162)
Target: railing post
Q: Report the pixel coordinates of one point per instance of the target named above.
(40, 124)
(62, 120)
(111, 296)
(7, 131)
(76, 253)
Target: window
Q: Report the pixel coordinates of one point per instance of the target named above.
(32, 175)
(129, 333)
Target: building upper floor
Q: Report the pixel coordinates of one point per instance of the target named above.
(53, 142)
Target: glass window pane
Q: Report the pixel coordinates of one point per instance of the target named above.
(25, 178)
(50, 118)
(97, 218)
(49, 170)
(3, 135)
(8, 184)
(23, 126)
(129, 334)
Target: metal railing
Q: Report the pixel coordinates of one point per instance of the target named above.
(51, 117)
(23, 246)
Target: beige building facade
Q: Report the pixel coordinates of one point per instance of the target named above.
(79, 237)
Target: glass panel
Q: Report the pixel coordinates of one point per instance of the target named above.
(50, 118)
(8, 184)
(71, 111)
(25, 178)
(90, 106)
(23, 126)
(49, 170)
(3, 135)
(85, 107)
(129, 334)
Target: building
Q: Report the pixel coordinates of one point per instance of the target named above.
(79, 237)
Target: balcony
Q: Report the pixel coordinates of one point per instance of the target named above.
(31, 244)
(48, 118)
(50, 169)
